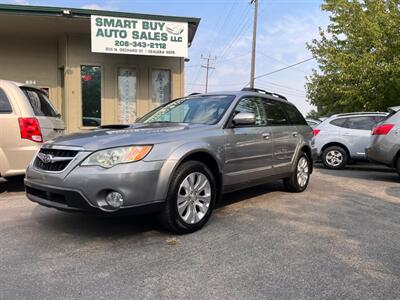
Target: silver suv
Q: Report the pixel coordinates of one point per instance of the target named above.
(343, 137)
(178, 159)
(385, 143)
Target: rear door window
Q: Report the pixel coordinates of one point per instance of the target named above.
(276, 116)
(296, 118)
(39, 102)
(5, 106)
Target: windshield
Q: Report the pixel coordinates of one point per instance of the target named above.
(198, 110)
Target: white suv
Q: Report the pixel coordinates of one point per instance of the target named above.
(343, 137)
(27, 119)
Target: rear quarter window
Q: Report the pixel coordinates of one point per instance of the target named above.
(39, 102)
(295, 117)
(5, 106)
(362, 123)
(339, 122)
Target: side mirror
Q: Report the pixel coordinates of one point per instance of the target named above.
(244, 119)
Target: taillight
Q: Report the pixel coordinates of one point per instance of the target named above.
(30, 129)
(316, 131)
(382, 129)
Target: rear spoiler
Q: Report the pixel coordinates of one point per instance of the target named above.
(393, 109)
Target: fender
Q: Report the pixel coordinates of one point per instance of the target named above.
(296, 155)
(179, 155)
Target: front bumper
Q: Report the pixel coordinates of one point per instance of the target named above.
(82, 188)
(314, 154)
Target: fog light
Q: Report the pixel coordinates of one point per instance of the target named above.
(114, 199)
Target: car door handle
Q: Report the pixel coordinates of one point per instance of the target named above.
(294, 134)
(266, 136)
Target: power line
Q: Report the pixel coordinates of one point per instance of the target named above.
(242, 30)
(280, 61)
(285, 68)
(282, 86)
(219, 26)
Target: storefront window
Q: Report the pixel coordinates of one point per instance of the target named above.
(91, 95)
(161, 87)
(126, 95)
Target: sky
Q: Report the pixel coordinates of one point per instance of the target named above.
(225, 32)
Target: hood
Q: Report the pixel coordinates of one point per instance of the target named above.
(124, 135)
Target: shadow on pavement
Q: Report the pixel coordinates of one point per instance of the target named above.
(363, 171)
(118, 227)
(242, 195)
(93, 226)
(11, 185)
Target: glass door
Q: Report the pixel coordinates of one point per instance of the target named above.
(127, 90)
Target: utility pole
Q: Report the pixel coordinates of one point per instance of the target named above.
(207, 67)
(253, 50)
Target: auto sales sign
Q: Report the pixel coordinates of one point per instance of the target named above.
(139, 36)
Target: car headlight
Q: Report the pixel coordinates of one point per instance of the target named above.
(115, 156)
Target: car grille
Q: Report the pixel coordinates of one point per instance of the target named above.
(54, 160)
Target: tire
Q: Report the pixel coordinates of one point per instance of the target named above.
(300, 178)
(398, 165)
(334, 158)
(196, 205)
(16, 180)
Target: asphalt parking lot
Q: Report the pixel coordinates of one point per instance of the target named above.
(339, 239)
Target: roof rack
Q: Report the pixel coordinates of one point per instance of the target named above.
(193, 94)
(264, 92)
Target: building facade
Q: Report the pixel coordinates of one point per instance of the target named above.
(99, 67)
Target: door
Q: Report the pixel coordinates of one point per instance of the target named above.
(355, 134)
(50, 122)
(248, 149)
(284, 134)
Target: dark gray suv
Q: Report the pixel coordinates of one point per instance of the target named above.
(178, 159)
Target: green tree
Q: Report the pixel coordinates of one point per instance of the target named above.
(358, 56)
(313, 114)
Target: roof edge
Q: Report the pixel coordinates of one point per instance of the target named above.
(82, 12)
(50, 11)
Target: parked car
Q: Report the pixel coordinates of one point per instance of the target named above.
(385, 143)
(178, 159)
(313, 123)
(27, 119)
(343, 137)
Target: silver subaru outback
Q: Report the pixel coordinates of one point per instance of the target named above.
(178, 159)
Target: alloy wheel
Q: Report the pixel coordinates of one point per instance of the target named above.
(194, 197)
(302, 171)
(334, 158)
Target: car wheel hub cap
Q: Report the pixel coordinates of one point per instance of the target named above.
(302, 172)
(194, 197)
(334, 158)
